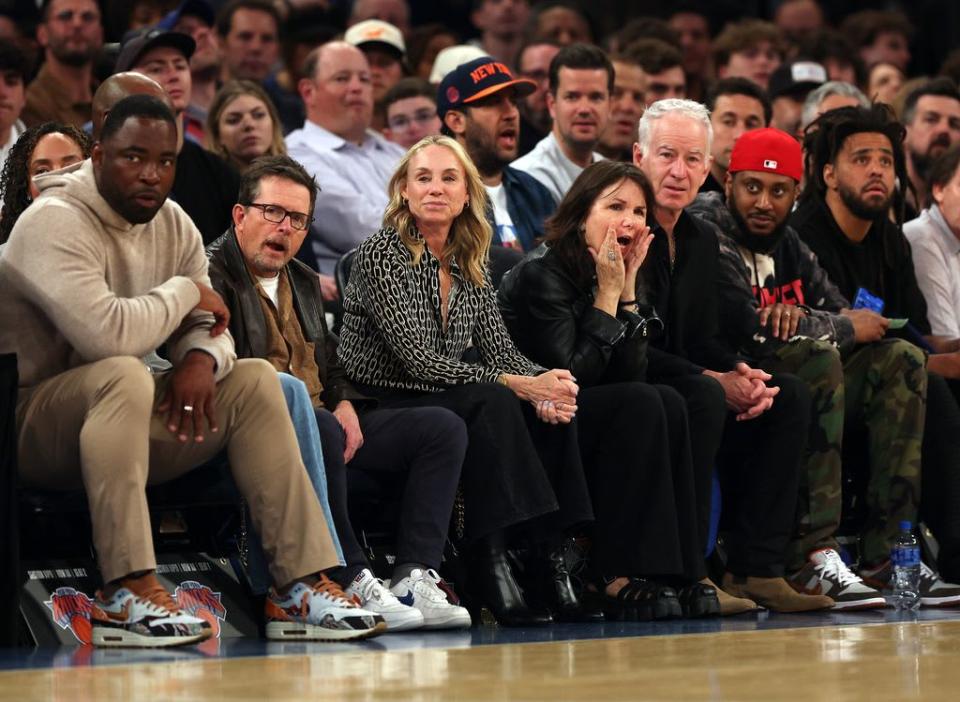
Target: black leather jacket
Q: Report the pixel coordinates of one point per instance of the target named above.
(230, 278)
(553, 321)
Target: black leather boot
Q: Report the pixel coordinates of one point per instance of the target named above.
(558, 590)
(492, 585)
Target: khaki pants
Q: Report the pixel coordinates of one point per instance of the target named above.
(95, 427)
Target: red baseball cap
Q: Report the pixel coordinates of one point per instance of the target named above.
(767, 150)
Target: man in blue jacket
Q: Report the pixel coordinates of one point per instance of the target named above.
(477, 103)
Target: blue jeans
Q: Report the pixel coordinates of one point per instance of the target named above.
(308, 437)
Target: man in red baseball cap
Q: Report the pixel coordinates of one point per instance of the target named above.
(779, 309)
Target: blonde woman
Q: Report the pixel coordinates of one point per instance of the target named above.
(418, 296)
(243, 125)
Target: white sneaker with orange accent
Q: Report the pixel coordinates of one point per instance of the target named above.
(322, 612)
(150, 619)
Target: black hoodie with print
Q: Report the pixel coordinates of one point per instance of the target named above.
(750, 279)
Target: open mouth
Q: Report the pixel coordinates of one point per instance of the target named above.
(624, 240)
(275, 247)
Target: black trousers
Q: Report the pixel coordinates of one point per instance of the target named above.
(940, 472)
(707, 416)
(758, 463)
(428, 444)
(517, 470)
(635, 445)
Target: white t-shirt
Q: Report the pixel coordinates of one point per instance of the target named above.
(501, 216)
(270, 286)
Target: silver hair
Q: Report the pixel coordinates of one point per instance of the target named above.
(687, 108)
(811, 106)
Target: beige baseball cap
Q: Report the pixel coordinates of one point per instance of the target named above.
(374, 31)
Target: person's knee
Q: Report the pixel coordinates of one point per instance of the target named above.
(127, 377)
(441, 426)
(674, 405)
(705, 394)
(905, 357)
(793, 397)
(294, 389)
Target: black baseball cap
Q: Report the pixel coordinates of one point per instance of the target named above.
(193, 8)
(136, 44)
(796, 78)
(475, 80)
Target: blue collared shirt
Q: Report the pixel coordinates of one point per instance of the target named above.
(353, 187)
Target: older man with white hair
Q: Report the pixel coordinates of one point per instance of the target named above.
(750, 424)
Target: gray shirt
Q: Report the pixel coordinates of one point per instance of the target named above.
(936, 262)
(548, 164)
(353, 187)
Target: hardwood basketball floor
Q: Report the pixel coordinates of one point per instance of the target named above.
(914, 660)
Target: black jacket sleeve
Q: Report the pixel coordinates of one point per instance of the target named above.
(564, 330)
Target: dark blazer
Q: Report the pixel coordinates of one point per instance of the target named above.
(553, 321)
(686, 299)
(230, 278)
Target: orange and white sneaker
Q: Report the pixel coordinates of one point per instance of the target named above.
(143, 614)
(322, 612)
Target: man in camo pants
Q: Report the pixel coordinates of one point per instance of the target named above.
(778, 306)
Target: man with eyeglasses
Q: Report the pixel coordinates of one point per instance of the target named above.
(277, 314)
(410, 108)
(71, 36)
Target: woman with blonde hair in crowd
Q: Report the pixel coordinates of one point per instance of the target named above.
(243, 124)
(419, 295)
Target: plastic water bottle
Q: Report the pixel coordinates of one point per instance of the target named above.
(905, 557)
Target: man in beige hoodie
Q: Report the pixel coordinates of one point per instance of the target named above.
(99, 272)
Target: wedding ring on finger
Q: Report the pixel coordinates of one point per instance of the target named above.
(612, 255)
(188, 408)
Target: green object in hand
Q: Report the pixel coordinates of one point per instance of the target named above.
(898, 323)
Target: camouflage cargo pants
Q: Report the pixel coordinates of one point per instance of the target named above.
(883, 387)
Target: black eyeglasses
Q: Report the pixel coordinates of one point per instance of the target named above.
(276, 214)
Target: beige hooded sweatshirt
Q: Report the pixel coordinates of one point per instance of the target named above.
(79, 283)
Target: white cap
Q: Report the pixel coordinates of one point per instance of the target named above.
(374, 31)
(451, 57)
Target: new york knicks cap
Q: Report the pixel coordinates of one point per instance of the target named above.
(475, 80)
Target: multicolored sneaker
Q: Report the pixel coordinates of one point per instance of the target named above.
(322, 612)
(424, 590)
(825, 573)
(369, 592)
(143, 614)
(934, 591)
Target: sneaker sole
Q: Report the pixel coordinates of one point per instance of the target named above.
(295, 631)
(872, 603)
(948, 601)
(119, 638)
(401, 623)
(453, 622)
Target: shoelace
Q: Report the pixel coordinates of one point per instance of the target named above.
(374, 589)
(927, 573)
(431, 590)
(834, 566)
(159, 600)
(325, 586)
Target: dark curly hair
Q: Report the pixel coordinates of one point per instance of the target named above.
(15, 180)
(825, 136)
